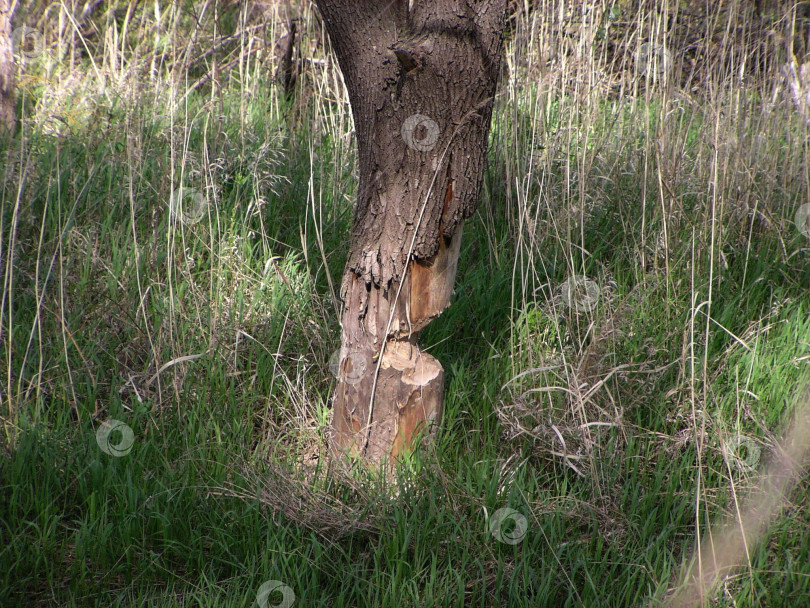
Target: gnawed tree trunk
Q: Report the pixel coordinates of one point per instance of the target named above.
(8, 109)
(421, 82)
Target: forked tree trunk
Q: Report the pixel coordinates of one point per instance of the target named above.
(8, 114)
(421, 82)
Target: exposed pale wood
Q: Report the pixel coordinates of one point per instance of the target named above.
(431, 283)
(409, 388)
(411, 385)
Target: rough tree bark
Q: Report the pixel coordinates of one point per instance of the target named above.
(421, 78)
(285, 49)
(8, 112)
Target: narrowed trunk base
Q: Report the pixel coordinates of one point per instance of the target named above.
(383, 405)
(407, 402)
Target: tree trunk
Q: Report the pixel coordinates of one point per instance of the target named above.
(421, 83)
(8, 111)
(286, 72)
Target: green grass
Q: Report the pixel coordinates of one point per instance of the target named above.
(211, 341)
